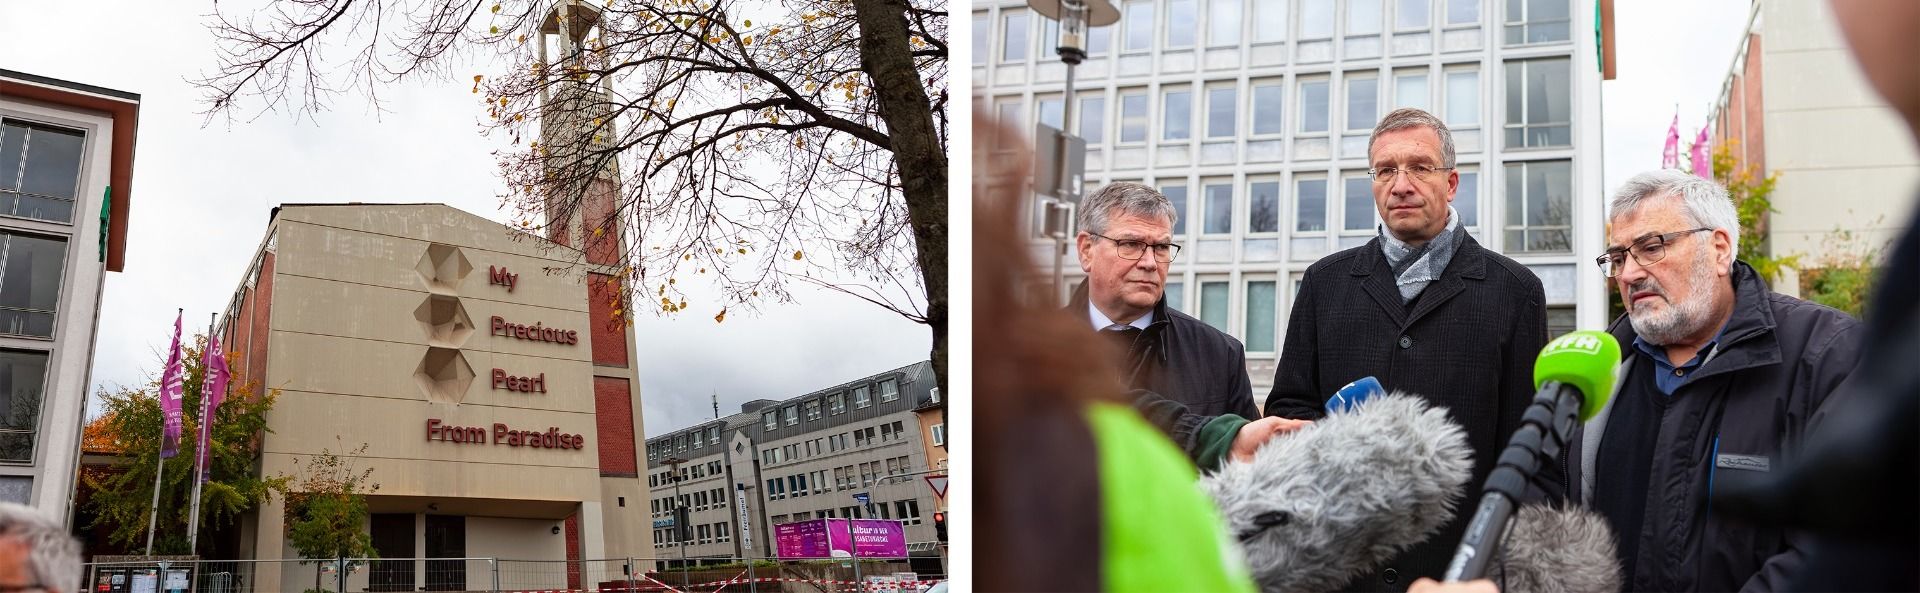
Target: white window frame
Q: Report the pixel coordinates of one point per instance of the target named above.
(1239, 23)
(1520, 82)
(1326, 206)
(1183, 209)
(1232, 92)
(1401, 4)
(1347, 81)
(1082, 117)
(1300, 23)
(1399, 77)
(1279, 204)
(1527, 24)
(1480, 182)
(1300, 105)
(1201, 311)
(1206, 205)
(1127, 22)
(1269, 7)
(1000, 40)
(1120, 116)
(1479, 12)
(1253, 107)
(1246, 317)
(1166, 28)
(1456, 125)
(1165, 92)
(1373, 217)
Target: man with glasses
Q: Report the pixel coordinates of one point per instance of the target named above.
(1189, 378)
(1426, 310)
(35, 553)
(1721, 376)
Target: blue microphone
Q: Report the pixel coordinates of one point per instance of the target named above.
(1354, 393)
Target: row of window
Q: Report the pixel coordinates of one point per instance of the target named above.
(680, 444)
(1260, 321)
(835, 404)
(872, 435)
(1227, 24)
(846, 477)
(1538, 206)
(906, 511)
(709, 533)
(699, 501)
(39, 170)
(1539, 110)
(690, 472)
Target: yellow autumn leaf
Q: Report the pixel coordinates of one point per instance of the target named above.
(748, 40)
(494, 30)
(722, 317)
(796, 255)
(743, 251)
(749, 22)
(476, 78)
(617, 312)
(496, 8)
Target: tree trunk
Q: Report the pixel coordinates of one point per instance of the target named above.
(887, 58)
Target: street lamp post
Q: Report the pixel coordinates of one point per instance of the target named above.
(1073, 16)
(673, 464)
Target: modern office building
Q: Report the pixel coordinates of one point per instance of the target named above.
(1796, 104)
(798, 459)
(497, 403)
(1253, 117)
(66, 171)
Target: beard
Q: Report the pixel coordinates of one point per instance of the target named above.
(1680, 318)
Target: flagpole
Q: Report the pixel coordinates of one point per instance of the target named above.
(200, 447)
(159, 469)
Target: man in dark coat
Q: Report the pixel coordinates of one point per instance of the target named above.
(1720, 381)
(1426, 310)
(1189, 378)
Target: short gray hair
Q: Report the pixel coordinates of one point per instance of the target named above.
(1703, 201)
(53, 555)
(1407, 118)
(1123, 197)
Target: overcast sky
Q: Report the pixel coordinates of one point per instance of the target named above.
(201, 197)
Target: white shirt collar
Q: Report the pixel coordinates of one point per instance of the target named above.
(1101, 321)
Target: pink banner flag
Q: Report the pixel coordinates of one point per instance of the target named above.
(213, 391)
(172, 384)
(1670, 156)
(1700, 166)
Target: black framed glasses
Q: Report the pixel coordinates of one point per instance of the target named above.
(1647, 251)
(1419, 172)
(1131, 249)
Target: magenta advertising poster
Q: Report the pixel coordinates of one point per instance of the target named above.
(820, 538)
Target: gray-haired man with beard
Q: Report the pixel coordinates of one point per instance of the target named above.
(1719, 380)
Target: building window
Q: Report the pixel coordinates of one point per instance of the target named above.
(1049, 36)
(1537, 21)
(1310, 205)
(1177, 194)
(1363, 102)
(889, 390)
(1223, 22)
(860, 397)
(1182, 24)
(1269, 21)
(772, 422)
(1539, 103)
(982, 38)
(1357, 203)
(1539, 206)
(1013, 114)
(1213, 305)
(39, 170)
(813, 409)
(1176, 114)
(1133, 117)
(1410, 89)
(940, 435)
(1269, 101)
(933, 394)
(1093, 119)
(886, 432)
(1220, 112)
(1363, 17)
(1138, 28)
(1218, 208)
(1314, 110)
(699, 438)
(1316, 19)
(1263, 207)
(1099, 40)
(907, 511)
(1013, 36)
(1261, 307)
(793, 415)
(1463, 12)
(1466, 198)
(713, 434)
(837, 403)
(1412, 15)
(1463, 98)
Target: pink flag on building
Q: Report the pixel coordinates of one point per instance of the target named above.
(1670, 156)
(1701, 167)
(172, 385)
(213, 390)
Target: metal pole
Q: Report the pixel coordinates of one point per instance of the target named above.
(340, 573)
(853, 551)
(495, 563)
(631, 568)
(153, 512)
(200, 448)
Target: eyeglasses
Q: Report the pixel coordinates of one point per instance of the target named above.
(1647, 251)
(1134, 250)
(1420, 172)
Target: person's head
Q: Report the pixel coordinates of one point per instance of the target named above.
(1413, 197)
(1671, 242)
(35, 553)
(1881, 33)
(1124, 280)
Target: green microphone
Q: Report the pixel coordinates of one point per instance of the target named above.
(1585, 360)
(1574, 378)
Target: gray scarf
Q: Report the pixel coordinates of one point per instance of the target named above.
(1416, 267)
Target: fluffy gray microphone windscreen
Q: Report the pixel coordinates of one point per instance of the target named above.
(1319, 506)
(1556, 550)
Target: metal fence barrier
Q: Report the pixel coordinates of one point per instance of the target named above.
(616, 575)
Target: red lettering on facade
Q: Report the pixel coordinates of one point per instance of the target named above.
(499, 276)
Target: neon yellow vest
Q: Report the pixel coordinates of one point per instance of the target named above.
(1161, 532)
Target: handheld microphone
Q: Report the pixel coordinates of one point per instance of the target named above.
(1354, 393)
(1318, 506)
(1574, 375)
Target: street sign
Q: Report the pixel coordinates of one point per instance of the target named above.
(1051, 149)
(746, 526)
(939, 485)
(863, 498)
